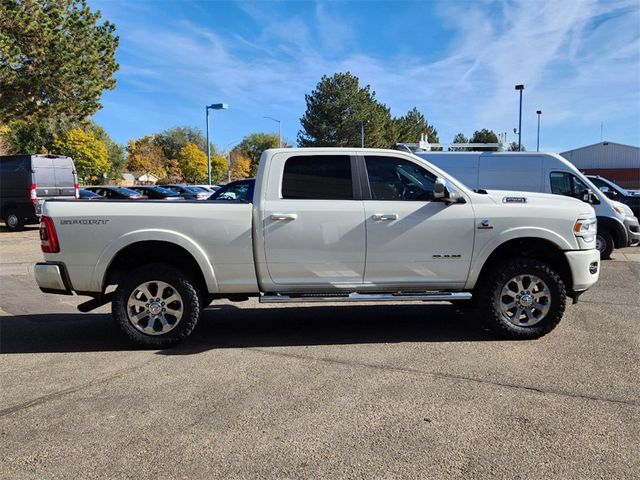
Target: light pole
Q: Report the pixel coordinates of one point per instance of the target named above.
(362, 134)
(213, 106)
(521, 88)
(279, 130)
(539, 112)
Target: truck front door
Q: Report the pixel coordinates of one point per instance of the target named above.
(412, 239)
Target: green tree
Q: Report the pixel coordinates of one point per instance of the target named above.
(193, 163)
(253, 145)
(484, 136)
(56, 59)
(412, 126)
(337, 108)
(175, 139)
(146, 157)
(513, 147)
(89, 154)
(459, 138)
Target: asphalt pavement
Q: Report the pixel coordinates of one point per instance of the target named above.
(318, 391)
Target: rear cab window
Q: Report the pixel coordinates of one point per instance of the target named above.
(318, 177)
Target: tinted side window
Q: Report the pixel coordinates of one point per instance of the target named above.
(393, 178)
(10, 165)
(319, 177)
(563, 183)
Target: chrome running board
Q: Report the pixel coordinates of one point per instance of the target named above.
(366, 297)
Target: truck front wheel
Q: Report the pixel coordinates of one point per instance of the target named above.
(156, 306)
(522, 299)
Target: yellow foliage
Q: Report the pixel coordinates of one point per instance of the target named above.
(240, 166)
(88, 153)
(146, 157)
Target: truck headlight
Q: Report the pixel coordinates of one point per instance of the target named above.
(586, 229)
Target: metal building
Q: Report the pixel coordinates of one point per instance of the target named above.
(615, 161)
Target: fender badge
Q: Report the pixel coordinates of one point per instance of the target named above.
(484, 225)
(514, 199)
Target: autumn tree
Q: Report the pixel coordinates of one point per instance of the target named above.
(240, 164)
(88, 153)
(56, 59)
(193, 163)
(336, 111)
(146, 157)
(253, 145)
(175, 139)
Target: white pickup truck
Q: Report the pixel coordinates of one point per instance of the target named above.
(325, 225)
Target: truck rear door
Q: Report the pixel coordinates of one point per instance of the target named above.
(314, 229)
(65, 178)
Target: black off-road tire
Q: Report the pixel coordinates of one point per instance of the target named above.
(607, 239)
(179, 281)
(489, 298)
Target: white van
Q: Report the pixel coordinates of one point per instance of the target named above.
(541, 172)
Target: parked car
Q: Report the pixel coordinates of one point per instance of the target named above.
(27, 180)
(90, 195)
(326, 225)
(238, 191)
(117, 193)
(189, 192)
(542, 172)
(208, 188)
(157, 192)
(616, 192)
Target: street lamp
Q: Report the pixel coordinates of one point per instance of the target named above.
(539, 112)
(279, 129)
(521, 88)
(362, 134)
(213, 106)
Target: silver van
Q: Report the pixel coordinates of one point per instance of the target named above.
(546, 173)
(27, 180)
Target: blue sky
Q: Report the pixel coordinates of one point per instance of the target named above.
(456, 61)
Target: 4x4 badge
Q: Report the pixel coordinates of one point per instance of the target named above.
(484, 225)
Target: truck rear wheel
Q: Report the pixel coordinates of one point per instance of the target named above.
(156, 306)
(522, 299)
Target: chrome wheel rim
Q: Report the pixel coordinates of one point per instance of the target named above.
(600, 243)
(525, 300)
(155, 308)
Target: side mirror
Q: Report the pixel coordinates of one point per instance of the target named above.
(441, 192)
(440, 189)
(590, 197)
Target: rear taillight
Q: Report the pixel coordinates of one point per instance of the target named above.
(33, 193)
(48, 237)
(77, 190)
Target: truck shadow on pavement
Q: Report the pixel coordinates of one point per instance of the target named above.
(227, 326)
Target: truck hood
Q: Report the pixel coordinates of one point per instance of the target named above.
(535, 199)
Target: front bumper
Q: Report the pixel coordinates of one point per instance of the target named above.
(585, 268)
(633, 231)
(52, 278)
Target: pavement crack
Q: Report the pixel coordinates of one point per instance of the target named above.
(447, 376)
(98, 381)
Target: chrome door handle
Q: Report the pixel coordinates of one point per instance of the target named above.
(384, 216)
(284, 216)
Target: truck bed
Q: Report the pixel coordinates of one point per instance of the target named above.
(90, 233)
